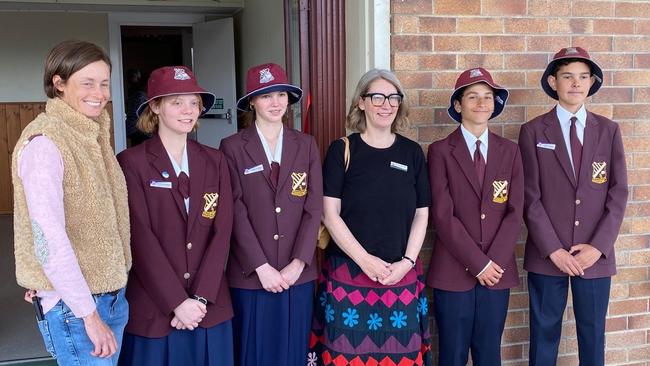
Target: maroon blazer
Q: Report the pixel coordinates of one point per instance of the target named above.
(474, 226)
(176, 255)
(560, 212)
(273, 225)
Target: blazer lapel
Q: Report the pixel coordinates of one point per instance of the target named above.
(495, 151)
(160, 160)
(553, 132)
(197, 164)
(589, 142)
(461, 154)
(256, 152)
(289, 152)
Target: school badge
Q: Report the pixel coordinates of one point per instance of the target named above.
(298, 184)
(500, 192)
(210, 206)
(599, 172)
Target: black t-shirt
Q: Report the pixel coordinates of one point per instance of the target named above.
(379, 193)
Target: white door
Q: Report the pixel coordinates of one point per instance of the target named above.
(214, 67)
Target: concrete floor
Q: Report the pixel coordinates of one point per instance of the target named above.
(19, 336)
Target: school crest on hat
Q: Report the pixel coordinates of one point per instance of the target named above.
(180, 74)
(266, 76)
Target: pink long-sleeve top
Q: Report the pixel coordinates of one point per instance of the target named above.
(40, 167)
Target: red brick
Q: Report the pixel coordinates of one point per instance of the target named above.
(640, 289)
(631, 275)
(445, 79)
(511, 131)
(642, 128)
(411, 43)
(641, 161)
(441, 117)
(404, 24)
(421, 116)
(631, 111)
(405, 61)
(642, 95)
(613, 95)
(436, 98)
(417, 80)
(509, 79)
(511, 114)
(594, 43)
(555, 8)
(455, 7)
(549, 44)
(527, 97)
(518, 334)
(570, 26)
(457, 43)
(516, 318)
(437, 25)
(503, 43)
(640, 354)
(630, 242)
(606, 110)
(533, 78)
(525, 25)
(480, 25)
(624, 307)
(632, 78)
(592, 9)
(634, 9)
(616, 324)
(437, 62)
(642, 27)
(434, 133)
(636, 177)
(411, 6)
(632, 44)
(525, 61)
(613, 26)
(619, 291)
(615, 356)
(490, 62)
(614, 60)
(625, 339)
(642, 61)
(501, 8)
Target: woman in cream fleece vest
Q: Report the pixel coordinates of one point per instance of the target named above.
(71, 219)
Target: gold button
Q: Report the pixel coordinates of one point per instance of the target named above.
(186, 275)
(189, 246)
(276, 237)
(577, 202)
(278, 210)
(482, 216)
(577, 223)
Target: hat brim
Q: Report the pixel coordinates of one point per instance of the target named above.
(206, 97)
(294, 92)
(499, 101)
(595, 70)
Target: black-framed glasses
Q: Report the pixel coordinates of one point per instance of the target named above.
(378, 99)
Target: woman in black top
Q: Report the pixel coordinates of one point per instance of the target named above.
(371, 303)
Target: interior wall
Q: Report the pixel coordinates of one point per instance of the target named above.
(259, 36)
(27, 37)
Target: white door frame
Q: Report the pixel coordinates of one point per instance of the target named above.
(115, 21)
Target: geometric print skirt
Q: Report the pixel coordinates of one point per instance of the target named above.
(358, 321)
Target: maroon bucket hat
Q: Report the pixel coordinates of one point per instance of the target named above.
(174, 80)
(577, 53)
(474, 76)
(267, 78)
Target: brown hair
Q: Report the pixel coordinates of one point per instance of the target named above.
(356, 119)
(148, 121)
(68, 57)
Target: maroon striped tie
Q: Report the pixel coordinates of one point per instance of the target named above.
(275, 173)
(479, 163)
(576, 147)
(184, 185)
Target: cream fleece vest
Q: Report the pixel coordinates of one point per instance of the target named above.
(95, 200)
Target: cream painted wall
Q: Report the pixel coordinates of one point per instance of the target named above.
(27, 37)
(259, 37)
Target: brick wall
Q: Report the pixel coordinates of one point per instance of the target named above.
(432, 41)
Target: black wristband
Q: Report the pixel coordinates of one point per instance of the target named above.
(410, 260)
(200, 299)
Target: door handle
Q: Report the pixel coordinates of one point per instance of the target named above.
(227, 116)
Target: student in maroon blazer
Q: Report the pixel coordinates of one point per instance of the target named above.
(277, 187)
(477, 212)
(576, 191)
(181, 211)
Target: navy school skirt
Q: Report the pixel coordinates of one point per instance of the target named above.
(199, 347)
(272, 328)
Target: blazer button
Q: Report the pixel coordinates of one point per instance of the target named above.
(276, 237)
(482, 216)
(577, 223)
(577, 202)
(278, 210)
(189, 246)
(466, 269)
(186, 275)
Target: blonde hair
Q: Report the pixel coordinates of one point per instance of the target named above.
(148, 121)
(356, 119)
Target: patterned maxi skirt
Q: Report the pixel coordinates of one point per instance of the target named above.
(360, 322)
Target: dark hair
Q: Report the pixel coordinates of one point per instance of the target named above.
(565, 61)
(68, 57)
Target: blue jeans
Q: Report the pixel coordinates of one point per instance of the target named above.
(65, 335)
